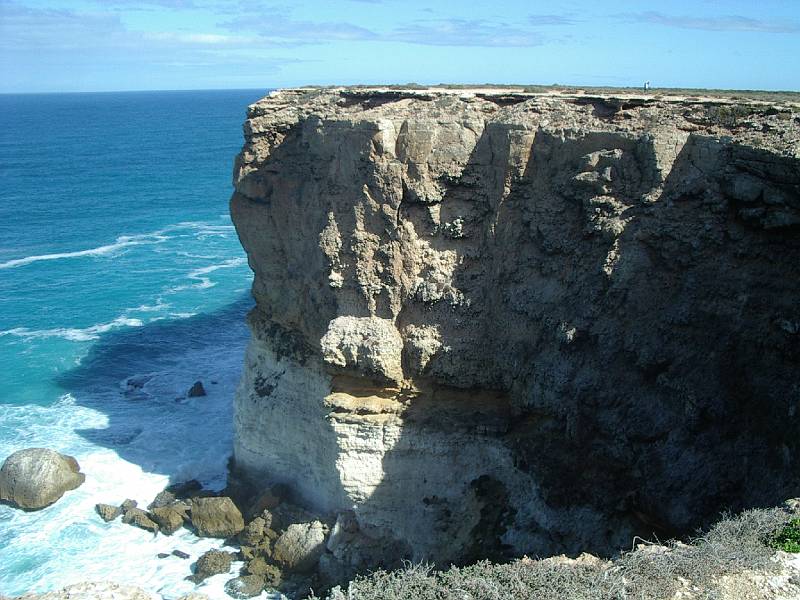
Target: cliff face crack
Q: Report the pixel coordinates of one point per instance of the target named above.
(496, 324)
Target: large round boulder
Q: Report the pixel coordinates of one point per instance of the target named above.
(36, 477)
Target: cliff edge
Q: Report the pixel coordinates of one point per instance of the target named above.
(491, 322)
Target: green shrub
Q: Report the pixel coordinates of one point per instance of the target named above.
(788, 538)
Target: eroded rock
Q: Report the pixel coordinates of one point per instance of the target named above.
(197, 390)
(140, 518)
(37, 477)
(300, 546)
(108, 512)
(213, 562)
(245, 586)
(169, 518)
(216, 517)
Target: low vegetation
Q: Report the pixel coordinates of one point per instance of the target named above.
(710, 567)
(788, 538)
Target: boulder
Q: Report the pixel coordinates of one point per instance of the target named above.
(127, 505)
(197, 390)
(180, 554)
(270, 573)
(216, 517)
(246, 586)
(300, 546)
(37, 477)
(169, 518)
(162, 499)
(139, 518)
(211, 563)
(254, 532)
(107, 512)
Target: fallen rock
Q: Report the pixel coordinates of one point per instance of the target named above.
(107, 512)
(254, 532)
(246, 586)
(270, 573)
(36, 477)
(180, 554)
(300, 546)
(168, 518)
(139, 518)
(196, 390)
(211, 563)
(162, 499)
(216, 517)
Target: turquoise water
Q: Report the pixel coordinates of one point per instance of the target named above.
(121, 283)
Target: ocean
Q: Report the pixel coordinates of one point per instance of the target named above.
(122, 282)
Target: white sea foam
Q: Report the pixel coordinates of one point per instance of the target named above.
(199, 228)
(205, 282)
(121, 242)
(128, 448)
(70, 333)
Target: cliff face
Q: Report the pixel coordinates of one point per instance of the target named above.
(493, 322)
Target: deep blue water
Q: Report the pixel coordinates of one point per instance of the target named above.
(121, 283)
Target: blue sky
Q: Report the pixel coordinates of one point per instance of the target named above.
(96, 45)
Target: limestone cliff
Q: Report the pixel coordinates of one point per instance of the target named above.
(492, 323)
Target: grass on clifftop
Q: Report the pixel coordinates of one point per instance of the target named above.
(743, 543)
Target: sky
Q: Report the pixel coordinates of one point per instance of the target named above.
(109, 45)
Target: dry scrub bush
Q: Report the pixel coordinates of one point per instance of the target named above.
(705, 568)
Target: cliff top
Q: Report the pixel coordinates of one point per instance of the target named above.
(766, 120)
(681, 95)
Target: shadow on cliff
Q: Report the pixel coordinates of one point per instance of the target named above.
(632, 357)
(652, 386)
(138, 378)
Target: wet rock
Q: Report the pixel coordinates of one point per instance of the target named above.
(300, 546)
(36, 477)
(211, 563)
(168, 518)
(162, 499)
(197, 390)
(180, 554)
(127, 505)
(184, 489)
(296, 586)
(216, 517)
(270, 573)
(139, 518)
(246, 586)
(163, 555)
(253, 533)
(107, 512)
